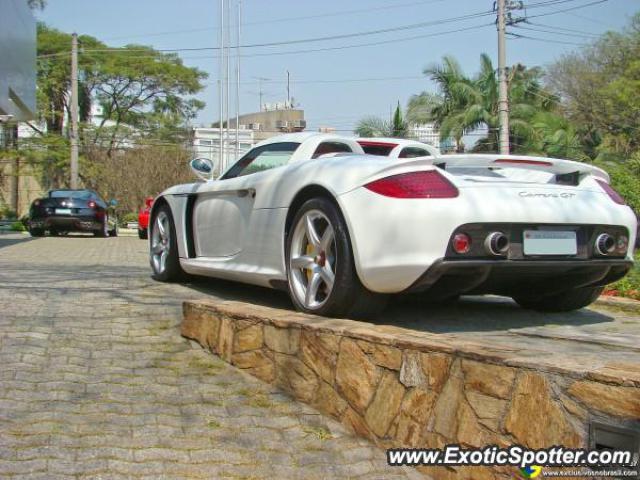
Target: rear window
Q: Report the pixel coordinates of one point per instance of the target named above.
(413, 152)
(79, 194)
(331, 147)
(379, 149)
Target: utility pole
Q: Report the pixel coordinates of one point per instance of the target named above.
(288, 90)
(227, 34)
(238, 79)
(503, 100)
(221, 89)
(74, 111)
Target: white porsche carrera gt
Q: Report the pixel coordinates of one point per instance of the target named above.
(342, 231)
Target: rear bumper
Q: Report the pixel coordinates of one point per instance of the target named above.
(395, 240)
(74, 224)
(512, 277)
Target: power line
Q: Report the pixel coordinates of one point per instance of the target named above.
(554, 27)
(328, 49)
(547, 40)
(286, 19)
(577, 7)
(412, 26)
(574, 35)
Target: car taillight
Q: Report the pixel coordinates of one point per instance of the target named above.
(92, 204)
(427, 184)
(615, 196)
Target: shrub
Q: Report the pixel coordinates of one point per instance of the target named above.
(625, 178)
(18, 227)
(128, 217)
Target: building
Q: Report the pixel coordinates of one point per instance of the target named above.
(271, 121)
(17, 61)
(428, 133)
(17, 95)
(206, 144)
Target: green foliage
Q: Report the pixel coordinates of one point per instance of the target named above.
(471, 103)
(629, 286)
(137, 87)
(599, 87)
(18, 227)
(126, 218)
(7, 213)
(399, 126)
(372, 126)
(421, 106)
(625, 178)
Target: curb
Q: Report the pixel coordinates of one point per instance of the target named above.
(622, 303)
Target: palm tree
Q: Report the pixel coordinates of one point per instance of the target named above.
(372, 126)
(420, 107)
(471, 104)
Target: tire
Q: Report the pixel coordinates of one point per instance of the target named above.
(561, 302)
(104, 230)
(143, 234)
(325, 259)
(54, 233)
(36, 232)
(169, 269)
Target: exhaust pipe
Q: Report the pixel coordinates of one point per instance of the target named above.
(496, 244)
(605, 244)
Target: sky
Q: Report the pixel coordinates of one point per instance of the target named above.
(338, 87)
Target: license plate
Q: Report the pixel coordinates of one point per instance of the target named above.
(549, 242)
(63, 211)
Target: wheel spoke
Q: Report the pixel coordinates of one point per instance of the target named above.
(302, 262)
(161, 227)
(312, 290)
(312, 235)
(327, 276)
(157, 248)
(327, 238)
(163, 260)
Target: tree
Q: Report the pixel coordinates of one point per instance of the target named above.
(146, 89)
(598, 88)
(398, 126)
(471, 104)
(54, 76)
(138, 88)
(421, 106)
(373, 126)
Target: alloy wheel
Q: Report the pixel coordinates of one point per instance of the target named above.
(312, 259)
(160, 242)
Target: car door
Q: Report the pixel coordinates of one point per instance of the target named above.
(222, 210)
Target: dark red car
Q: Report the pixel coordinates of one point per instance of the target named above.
(143, 218)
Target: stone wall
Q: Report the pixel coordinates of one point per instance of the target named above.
(404, 390)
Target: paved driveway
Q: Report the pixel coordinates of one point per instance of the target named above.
(96, 382)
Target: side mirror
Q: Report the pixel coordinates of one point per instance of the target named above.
(113, 203)
(203, 168)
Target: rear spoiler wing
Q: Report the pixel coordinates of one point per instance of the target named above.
(566, 171)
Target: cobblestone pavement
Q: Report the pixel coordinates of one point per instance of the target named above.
(96, 382)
